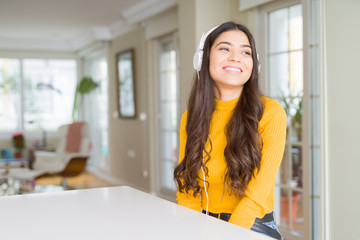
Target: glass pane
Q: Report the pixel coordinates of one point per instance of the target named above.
(296, 73)
(285, 74)
(316, 208)
(291, 210)
(168, 54)
(295, 27)
(164, 62)
(126, 84)
(168, 86)
(296, 155)
(105, 145)
(96, 112)
(279, 75)
(167, 175)
(315, 167)
(277, 203)
(169, 146)
(314, 71)
(315, 121)
(296, 131)
(278, 30)
(314, 22)
(284, 208)
(294, 111)
(101, 75)
(49, 87)
(168, 102)
(9, 94)
(169, 115)
(297, 212)
(285, 167)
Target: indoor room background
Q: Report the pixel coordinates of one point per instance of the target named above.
(308, 52)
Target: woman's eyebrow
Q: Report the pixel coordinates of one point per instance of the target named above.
(245, 45)
(229, 43)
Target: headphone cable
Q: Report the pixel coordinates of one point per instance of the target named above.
(207, 197)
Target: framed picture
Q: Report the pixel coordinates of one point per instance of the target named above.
(126, 83)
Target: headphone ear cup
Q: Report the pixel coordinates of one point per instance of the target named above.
(197, 60)
(198, 56)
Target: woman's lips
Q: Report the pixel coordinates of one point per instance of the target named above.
(232, 69)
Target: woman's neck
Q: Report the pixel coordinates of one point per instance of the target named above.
(227, 94)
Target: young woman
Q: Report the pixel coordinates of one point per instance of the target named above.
(232, 138)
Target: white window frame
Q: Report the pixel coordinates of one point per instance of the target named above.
(264, 9)
(87, 60)
(165, 192)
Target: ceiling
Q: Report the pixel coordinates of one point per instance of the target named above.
(69, 25)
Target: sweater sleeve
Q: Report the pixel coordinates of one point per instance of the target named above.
(255, 203)
(186, 199)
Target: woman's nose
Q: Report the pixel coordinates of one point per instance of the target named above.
(235, 59)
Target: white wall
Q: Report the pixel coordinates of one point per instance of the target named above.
(133, 134)
(127, 136)
(196, 17)
(342, 39)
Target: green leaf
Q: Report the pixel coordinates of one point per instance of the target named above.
(85, 86)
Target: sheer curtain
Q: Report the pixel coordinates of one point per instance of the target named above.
(36, 94)
(95, 111)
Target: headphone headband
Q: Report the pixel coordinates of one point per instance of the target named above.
(198, 56)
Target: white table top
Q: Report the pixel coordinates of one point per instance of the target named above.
(108, 213)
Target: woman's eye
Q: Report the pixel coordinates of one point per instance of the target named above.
(246, 53)
(224, 49)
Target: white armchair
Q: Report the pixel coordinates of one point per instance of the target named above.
(61, 162)
(56, 162)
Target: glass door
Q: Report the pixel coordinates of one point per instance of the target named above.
(167, 110)
(284, 54)
(96, 112)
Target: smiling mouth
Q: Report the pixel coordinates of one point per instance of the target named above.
(233, 69)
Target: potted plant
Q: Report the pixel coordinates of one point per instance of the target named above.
(19, 144)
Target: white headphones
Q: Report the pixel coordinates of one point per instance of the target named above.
(198, 56)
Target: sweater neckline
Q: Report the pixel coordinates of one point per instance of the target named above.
(226, 105)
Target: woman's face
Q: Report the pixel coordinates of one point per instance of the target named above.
(231, 63)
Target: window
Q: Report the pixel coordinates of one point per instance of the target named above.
(48, 88)
(168, 111)
(284, 52)
(37, 94)
(96, 112)
(9, 94)
(293, 79)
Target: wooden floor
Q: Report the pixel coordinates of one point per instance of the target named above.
(85, 180)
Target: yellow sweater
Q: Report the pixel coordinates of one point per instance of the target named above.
(259, 198)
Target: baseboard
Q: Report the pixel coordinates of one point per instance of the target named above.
(106, 176)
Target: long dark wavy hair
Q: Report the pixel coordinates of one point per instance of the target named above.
(243, 149)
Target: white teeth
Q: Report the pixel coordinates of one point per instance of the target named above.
(232, 69)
